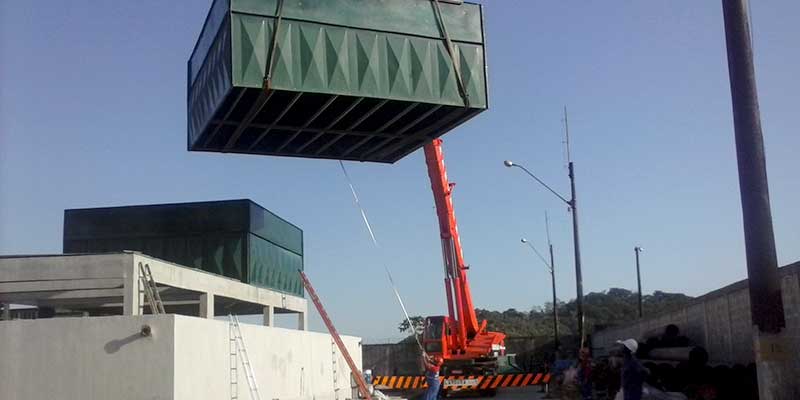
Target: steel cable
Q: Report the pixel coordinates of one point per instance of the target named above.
(378, 247)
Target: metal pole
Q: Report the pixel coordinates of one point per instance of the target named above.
(555, 301)
(573, 203)
(637, 250)
(775, 379)
(762, 264)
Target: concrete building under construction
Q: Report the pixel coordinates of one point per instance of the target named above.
(127, 325)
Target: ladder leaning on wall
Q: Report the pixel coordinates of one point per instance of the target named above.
(237, 347)
(356, 374)
(148, 286)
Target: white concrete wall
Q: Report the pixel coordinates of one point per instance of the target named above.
(186, 358)
(288, 364)
(86, 358)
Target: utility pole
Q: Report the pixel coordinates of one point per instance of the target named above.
(557, 342)
(573, 204)
(638, 250)
(553, 280)
(777, 380)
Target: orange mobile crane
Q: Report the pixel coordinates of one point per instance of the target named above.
(466, 346)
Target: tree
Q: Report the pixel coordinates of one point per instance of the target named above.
(419, 324)
(615, 306)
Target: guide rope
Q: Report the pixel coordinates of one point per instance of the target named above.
(273, 47)
(378, 247)
(451, 50)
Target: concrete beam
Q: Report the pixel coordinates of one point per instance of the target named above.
(269, 316)
(131, 298)
(63, 267)
(60, 284)
(59, 295)
(302, 321)
(207, 305)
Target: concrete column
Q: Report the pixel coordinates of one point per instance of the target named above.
(269, 316)
(207, 305)
(130, 291)
(6, 312)
(302, 321)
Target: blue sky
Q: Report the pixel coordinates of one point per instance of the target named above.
(92, 113)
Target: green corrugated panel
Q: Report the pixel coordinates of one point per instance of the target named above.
(213, 236)
(218, 254)
(318, 58)
(274, 267)
(223, 256)
(397, 16)
(210, 79)
(366, 80)
(157, 220)
(275, 229)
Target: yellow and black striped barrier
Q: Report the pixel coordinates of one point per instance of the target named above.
(462, 382)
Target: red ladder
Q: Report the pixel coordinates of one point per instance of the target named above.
(362, 384)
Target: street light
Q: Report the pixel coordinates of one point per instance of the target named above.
(551, 268)
(573, 205)
(637, 250)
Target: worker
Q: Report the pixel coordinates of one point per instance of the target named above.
(584, 376)
(633, 372)
(432, 366)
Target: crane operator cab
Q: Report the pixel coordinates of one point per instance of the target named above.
(438, 338)
(434, 336)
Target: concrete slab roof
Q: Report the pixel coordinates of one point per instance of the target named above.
(108, 284)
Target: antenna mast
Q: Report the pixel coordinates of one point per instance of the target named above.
(566, 134)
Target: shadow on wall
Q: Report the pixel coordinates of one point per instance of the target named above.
(114, 345)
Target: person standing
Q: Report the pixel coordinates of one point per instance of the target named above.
(633, 372)
(432, 367)
(584, 376)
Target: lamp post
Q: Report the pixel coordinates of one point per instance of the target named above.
(573, 205)
(638, 250)
(551, 268)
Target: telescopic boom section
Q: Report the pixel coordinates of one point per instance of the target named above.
(459, 297)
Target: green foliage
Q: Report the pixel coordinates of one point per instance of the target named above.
(612, 307)
(418, 325)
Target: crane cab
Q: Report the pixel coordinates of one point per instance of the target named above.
(435, 336)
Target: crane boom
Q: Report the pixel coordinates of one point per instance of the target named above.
(459, 337)
(456, 284)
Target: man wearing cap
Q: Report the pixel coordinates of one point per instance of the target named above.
(633, 372)
(432, 366)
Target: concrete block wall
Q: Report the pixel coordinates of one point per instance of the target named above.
(720, 321)
(392, 359)
(791, 309)
(185, 358)
(695, 324)
(718, 325)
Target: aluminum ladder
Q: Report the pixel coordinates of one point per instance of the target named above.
(148, 285)
(335, 370)
(242, 351)
(233, 362)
